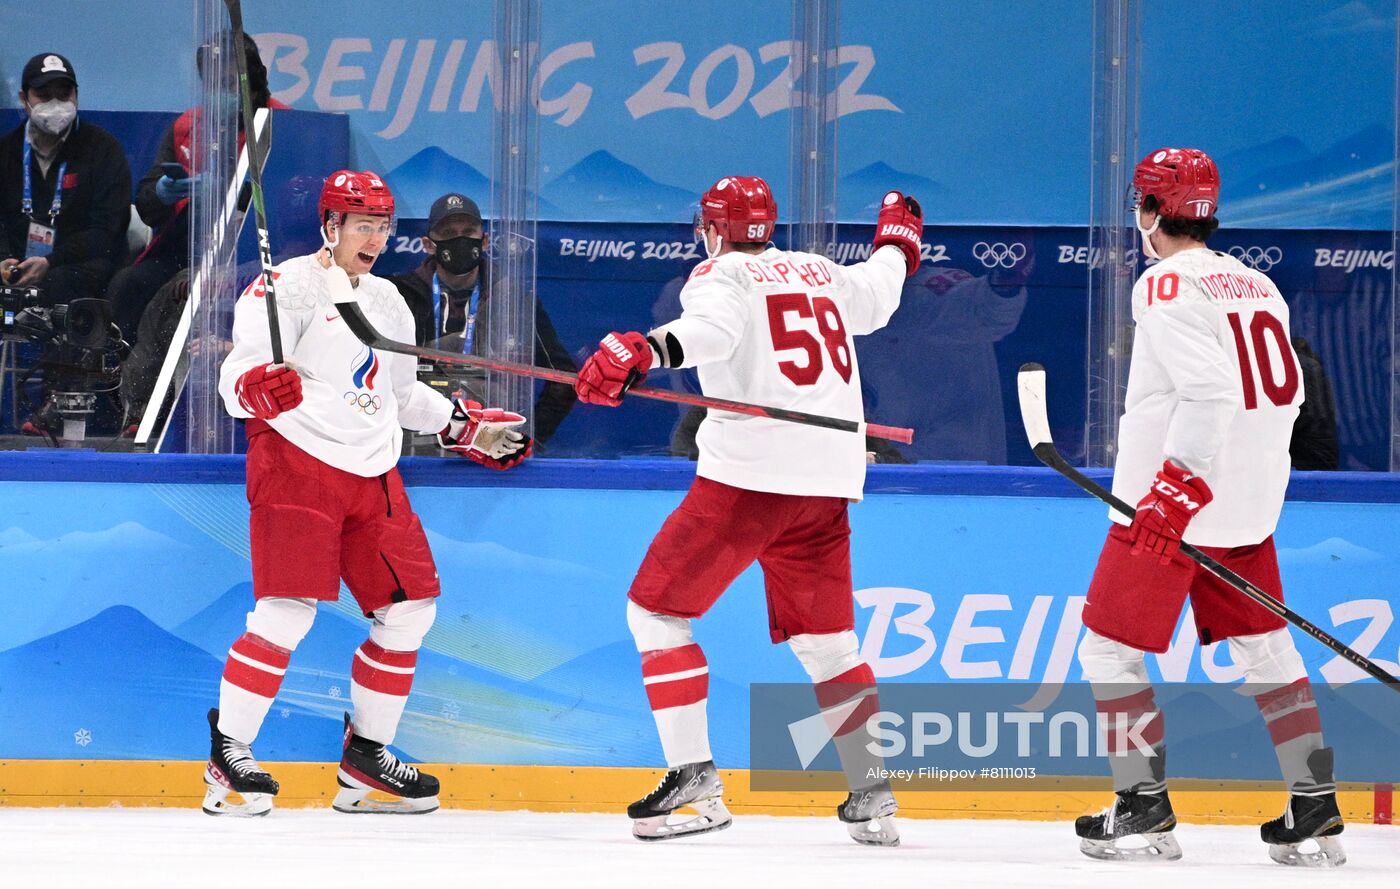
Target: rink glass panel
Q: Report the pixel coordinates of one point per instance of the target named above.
(983, 111)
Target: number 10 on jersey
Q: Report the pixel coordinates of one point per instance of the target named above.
(829, 324)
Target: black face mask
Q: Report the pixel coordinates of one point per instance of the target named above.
(457, 256)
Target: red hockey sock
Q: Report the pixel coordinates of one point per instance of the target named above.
(848, 700)
(1128, 719)
(380, 681)
(1291, 714)
(252, 675)
(677, 681)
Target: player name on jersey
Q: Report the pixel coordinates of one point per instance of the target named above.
(1228, 286)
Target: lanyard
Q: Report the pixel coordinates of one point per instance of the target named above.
(440, 318)
(29, 189)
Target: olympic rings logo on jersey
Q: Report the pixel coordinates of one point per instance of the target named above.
(1258, 258)
(998, 254)
(363, 402)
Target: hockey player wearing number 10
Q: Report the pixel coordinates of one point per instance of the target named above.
(325, 430)
(775, 327)
(1213, 391)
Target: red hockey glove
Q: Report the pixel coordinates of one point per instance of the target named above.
(901, 223)
(1162, 516)
(267, 390)
(485, 435)
(621, 362)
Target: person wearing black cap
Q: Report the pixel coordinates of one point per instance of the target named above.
(65, 191)
(65, 200)
(449, 295)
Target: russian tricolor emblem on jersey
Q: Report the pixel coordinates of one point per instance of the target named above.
(365, 370)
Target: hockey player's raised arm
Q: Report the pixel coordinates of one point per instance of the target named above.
(872, 290)
(873, 287)
(1184, 336)
(252, 342)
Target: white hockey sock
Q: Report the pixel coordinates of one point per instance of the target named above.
(252, 675)
(380, 681)
(678, 683)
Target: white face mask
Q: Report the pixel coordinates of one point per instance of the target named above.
(53, 116)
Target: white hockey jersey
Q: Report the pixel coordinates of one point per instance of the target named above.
(1214, 385)
(776, 329)
(356, 401)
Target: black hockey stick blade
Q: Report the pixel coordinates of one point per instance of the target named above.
(1030, 386)
(365, 332)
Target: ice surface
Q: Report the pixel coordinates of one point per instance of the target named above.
(98, 848)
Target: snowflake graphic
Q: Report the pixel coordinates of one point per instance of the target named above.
(82, 737)
(286, 712)
(335, 691)
(450, 710)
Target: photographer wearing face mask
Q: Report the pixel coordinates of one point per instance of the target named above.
(450, 297)
(65, 191)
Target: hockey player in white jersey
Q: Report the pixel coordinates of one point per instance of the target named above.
(1213, 391)
(775, 327)
(325, 430)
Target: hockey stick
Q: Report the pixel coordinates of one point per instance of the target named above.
(256, 157)
(365, 332)
(1030, 382)
(170, 381)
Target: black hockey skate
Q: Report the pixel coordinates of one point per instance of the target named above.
(232, 769)
(696, 786)
(1312, 814)
(869, 816)
(1132, 815)
(367, 766)
(1315, 818)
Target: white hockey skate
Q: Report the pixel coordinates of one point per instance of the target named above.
(232, 771)
(1137, 827)
(869, 816)
(696, 786)
(367, 767)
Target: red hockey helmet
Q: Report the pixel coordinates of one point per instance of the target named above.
(1184, 181)
(347, 191)
(742, 209)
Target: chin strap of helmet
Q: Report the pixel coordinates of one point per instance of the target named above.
(1146, 233)
(333, 223)
(711, 252)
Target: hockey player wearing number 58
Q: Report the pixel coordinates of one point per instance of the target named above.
(1213, 391)
(325, 431)
(775, 327)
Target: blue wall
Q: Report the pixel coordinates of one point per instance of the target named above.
(135, 576)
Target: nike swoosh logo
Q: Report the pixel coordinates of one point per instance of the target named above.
(332, 317)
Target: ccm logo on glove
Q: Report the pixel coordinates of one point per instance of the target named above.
(1173, 499)
(1176, 495)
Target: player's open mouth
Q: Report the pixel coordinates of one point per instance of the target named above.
(366, 258)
